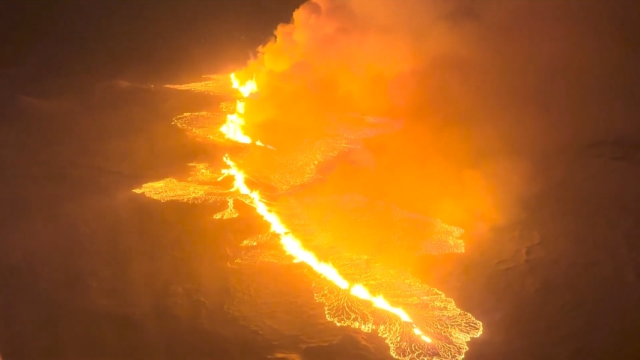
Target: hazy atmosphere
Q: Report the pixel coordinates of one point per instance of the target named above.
(517, 121)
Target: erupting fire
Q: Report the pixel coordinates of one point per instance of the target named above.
(232, 129)
(247, 89)
(436, 329)
(294, 247)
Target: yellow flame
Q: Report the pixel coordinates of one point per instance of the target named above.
(232, 129)
(245, 89)
(293, 247)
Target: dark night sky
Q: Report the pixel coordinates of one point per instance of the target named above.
(88, 270)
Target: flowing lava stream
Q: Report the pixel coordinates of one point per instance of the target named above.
(292, 246)
(232, 129)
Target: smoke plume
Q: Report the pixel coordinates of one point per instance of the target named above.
(477, 84)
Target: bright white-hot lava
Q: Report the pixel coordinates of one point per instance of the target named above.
(245, 89)
(436, 329)
(289, 242)
(232, 129)
(294, 247)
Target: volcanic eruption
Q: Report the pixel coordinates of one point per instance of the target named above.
(336, 241)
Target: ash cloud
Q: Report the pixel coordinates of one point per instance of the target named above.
(488, 91)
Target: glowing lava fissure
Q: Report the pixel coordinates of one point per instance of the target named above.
(232, 128)
(447, 327)
(294, 247)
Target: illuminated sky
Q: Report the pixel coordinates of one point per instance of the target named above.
(538, 100)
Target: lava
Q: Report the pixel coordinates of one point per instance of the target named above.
(289, 242)
(437, 329)
(232, 129)
(294, 247)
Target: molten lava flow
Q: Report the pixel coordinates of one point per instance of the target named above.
(294, 248)
(247, 89)
(346, 303)
(216, 85)
(232, 129)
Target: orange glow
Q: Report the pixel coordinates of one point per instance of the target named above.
(232, 129)
(365, 296)
(294, 247)
(245, 89)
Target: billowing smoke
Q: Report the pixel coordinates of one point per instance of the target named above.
(404, 59)
(482, 104)
(335, 56)
(483, 88)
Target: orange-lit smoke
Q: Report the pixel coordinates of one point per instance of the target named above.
(332, 58)
(403, 59)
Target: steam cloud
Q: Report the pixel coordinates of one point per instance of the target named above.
(404, 59)
(476, 92)
(482, 86)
